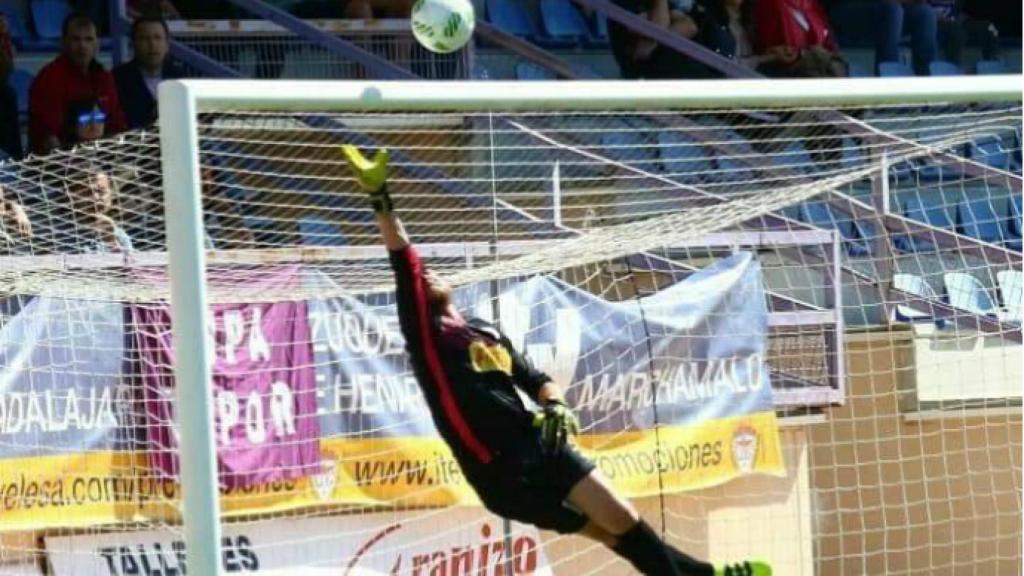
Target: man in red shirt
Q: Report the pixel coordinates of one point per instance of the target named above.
(73, 76)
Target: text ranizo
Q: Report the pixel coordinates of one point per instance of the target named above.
(489, 558)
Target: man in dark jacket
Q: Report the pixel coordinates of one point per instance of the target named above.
(138, 79)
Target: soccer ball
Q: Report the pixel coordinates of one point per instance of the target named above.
(442, 26)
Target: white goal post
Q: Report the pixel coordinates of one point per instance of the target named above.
(181, 102)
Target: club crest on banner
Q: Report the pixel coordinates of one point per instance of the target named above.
(323, 482)
(744, 447)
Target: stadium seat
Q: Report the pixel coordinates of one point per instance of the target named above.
(49, 16)
(563, 23)
(1014, 226)
(977, 219)
(942, 68)
(264, 230)
(855, 235)
(599, 30)
(932, 214)
(1011, 289)
(20, 35)
(319, 232)
(858, 71)
(894, 69)
(510, 17)
(916, 285)
(625, 144)
(1015, 158)
(967, 293)
(794, 157)
(734, 166)
(530, 71)
(21, 80)
(682, 158)
(991, 67)
(989, 150)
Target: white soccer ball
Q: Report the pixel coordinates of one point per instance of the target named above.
(442, 26)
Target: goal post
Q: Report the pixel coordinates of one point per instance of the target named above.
(182, 102)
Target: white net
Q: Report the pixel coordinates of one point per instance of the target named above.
(776, 351)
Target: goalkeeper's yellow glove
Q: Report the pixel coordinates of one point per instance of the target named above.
(556, 422)
(372, 176)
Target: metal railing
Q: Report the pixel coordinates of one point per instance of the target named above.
(262, 49)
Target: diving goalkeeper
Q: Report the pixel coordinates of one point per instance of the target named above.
(519, 462)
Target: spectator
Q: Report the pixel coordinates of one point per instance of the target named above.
(14, 222)
(138, 79)
(641, 57)
(162, 9)
(795, 37)
(84, 121)
(73, 76)
(10, 135)
(957, 28)
(354, 9)
(886, 21)
(723, 27)
(91, 202)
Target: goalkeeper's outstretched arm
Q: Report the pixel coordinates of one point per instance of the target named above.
(373, 179)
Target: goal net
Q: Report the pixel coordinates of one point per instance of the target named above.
(790, 325)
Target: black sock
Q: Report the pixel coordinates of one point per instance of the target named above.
(688, 565)
(648, 554)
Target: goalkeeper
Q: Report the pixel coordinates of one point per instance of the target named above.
(520, 463)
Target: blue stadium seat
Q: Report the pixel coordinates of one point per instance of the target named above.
(264, 230)
(21, 80)
(858, 71)
(49, 16)
(894, 69)
(967, 293)
(991, 67)
(316, 231)
(794, 157)
(733, 167)
(530, 71)
(916, 285)
(628, 147)
(1014, 226)
(942, 68)
(563, 24)
(853, 155)
(682, 158)
(1011, 289)
(1015, 158)
(977, 219)
(510, 17)
(989, 150)
(932, 214)
(855, 234)
(20, 35)
(939, 170)
(599, 30)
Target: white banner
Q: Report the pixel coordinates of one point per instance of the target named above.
(457, 541)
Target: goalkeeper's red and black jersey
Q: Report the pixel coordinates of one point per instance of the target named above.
(468, 371)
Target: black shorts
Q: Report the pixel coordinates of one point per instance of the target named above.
(526, 485)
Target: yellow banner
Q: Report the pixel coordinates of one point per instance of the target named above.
(109, 487)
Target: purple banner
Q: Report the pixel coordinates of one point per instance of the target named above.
(264, 391)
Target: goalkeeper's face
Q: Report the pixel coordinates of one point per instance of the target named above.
(439, 291)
